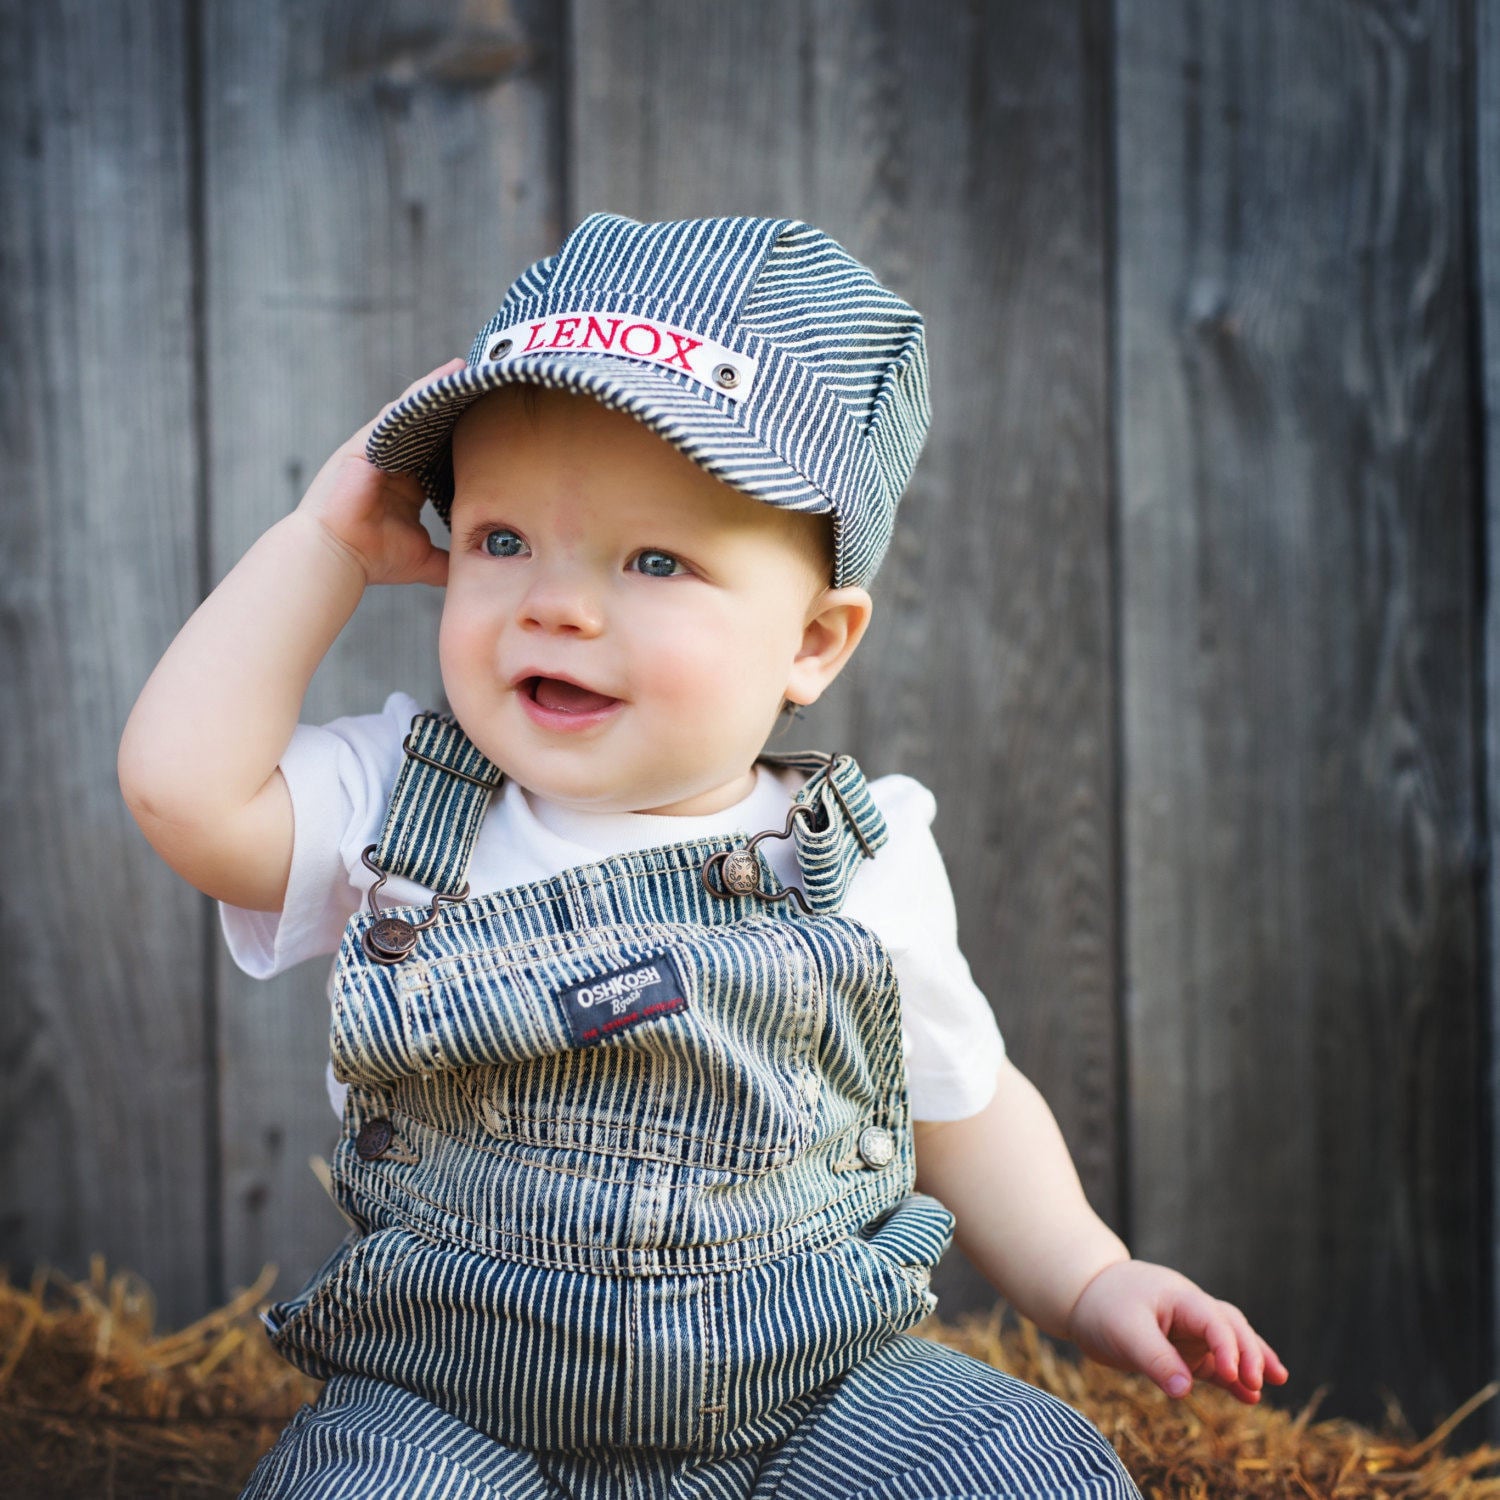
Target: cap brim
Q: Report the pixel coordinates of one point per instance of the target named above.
(708, 426)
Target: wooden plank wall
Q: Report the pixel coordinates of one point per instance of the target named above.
(107, 1083)
(1487, 214)
(1181, 625)
(876, 120)
(1297, 499)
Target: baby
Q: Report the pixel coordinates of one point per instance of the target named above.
(662, 1078)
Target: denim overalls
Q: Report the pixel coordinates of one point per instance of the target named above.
(628, 1157)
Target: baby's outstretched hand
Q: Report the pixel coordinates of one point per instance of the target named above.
(1138, 1316)
(372, 515)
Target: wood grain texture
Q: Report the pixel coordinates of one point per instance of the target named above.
(234, 230)
(376, 175)
(958, 150)
(1486, 95)
(104, 1088)
(1298, 636)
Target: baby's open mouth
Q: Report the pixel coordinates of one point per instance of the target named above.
(564, 697)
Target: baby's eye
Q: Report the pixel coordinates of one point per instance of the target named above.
(658, 564)
(501, 541)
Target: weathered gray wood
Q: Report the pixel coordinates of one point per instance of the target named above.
(232, 231)
(1298, 636)
(375, 178)
(958, 150)
(1486, 53)
(105, 1095)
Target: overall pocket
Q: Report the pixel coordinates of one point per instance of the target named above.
(305, 1328)
(892, 1259)
(726, 1080)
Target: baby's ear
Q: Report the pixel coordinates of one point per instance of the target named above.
(836, 624)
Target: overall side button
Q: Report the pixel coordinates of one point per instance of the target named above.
(374, 1139)
(877, 1146)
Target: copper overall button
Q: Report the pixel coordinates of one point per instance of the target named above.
(389, 940)
(374, 1139)
(877, 1146)
(740, 872)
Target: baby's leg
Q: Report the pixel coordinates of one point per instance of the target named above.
(363, 1438)
(920, 1421)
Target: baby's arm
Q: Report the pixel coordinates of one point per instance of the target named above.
(1024, 1221)
(198, 758)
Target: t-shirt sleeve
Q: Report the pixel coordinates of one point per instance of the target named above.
(953, 1045)
(340, 776)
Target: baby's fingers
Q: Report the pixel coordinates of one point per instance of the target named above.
(1259, 1362)
(1250, 1362)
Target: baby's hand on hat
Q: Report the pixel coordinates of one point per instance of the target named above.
(372, 515)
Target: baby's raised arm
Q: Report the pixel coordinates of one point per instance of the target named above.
(198, 757)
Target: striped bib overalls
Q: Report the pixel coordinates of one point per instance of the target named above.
(629, 1163)
(653, 1233)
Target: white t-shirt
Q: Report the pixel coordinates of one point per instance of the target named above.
(341, 776)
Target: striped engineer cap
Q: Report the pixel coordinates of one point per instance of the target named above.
(759, 347)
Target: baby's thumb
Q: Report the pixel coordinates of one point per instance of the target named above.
(1157, 1358)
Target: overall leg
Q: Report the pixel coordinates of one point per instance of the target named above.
(652, 1474)
(920, 1421)
(365, 1438)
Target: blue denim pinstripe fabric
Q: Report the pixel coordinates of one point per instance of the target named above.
(640, 1266)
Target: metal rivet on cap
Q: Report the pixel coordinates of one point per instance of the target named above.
(727, 376)
(374, 1139)
(389, 940)
(740, 872)
(500, 348)
(877, 1146)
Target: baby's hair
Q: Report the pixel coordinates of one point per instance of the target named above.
(814, 539)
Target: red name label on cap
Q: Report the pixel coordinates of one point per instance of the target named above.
(626, 336)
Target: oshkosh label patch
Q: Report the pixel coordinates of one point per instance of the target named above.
(627, 336)
(607, 1003)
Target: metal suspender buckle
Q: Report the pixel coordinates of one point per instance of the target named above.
(390, 939)
(437, 765)
(735, 872)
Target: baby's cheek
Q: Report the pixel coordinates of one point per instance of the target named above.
(683, 673)
(466, 655)
(468, 621)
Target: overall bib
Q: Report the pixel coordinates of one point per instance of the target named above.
(628, 1159)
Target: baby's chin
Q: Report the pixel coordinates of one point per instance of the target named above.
(653, 796)
(596, 775)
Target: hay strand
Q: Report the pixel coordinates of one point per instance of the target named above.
(1209, 1445)
(93, 1402)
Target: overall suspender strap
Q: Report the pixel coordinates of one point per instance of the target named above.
(446, 783)
(437, 806)
(845, 829)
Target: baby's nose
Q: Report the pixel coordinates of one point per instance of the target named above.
(563, 603)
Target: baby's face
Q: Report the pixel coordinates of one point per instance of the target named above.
(620, 629)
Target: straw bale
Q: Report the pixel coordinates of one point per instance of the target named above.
(1209, 1446)
(95, 1402)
